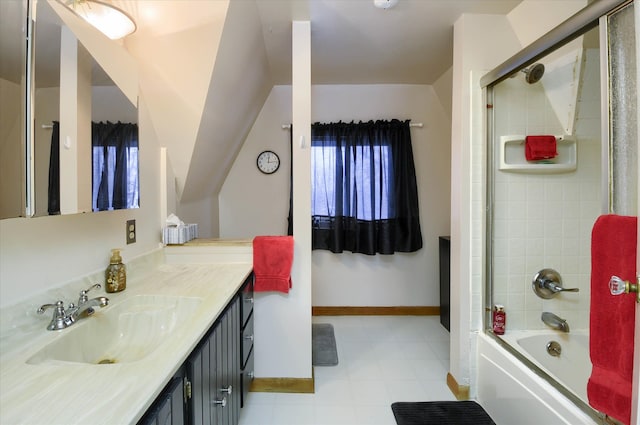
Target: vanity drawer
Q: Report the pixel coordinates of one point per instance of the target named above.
(247, 341)
(246, 298)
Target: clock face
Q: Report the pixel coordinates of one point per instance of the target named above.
(268, 162)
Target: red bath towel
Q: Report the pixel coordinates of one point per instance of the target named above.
(613, 253)
(272, 261)
(540, 147)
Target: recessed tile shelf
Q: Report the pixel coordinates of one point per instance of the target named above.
(512, 157)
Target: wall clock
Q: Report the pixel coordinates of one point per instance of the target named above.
(268, 162)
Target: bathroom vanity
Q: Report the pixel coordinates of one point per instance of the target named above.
(195, 322)
(210, 387)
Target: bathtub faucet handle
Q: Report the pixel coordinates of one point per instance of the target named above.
(547, 283)
(557, 288)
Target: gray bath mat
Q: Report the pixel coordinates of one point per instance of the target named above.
(323, 343)
(465, 412)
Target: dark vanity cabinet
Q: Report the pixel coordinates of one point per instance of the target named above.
(210, 388)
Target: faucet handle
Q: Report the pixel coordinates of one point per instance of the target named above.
(58, 319)
(83, 294)
(59, 306)
(549, 284)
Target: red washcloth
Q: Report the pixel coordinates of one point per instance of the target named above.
(613, 253)
(272, 261)
(540, 147)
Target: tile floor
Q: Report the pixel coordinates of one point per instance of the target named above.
(382, 359)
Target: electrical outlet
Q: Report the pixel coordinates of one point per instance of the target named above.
(131, 231)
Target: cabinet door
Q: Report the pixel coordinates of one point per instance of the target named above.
(200, 373)
(169, 409)
(246, 295)
(228, 365)
(214, 372)
(234, 334)
(221, 399)
(247, 341)
(246, 378)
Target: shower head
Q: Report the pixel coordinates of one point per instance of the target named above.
(534, 73)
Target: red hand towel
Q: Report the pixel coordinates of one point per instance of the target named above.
(272, 261)
(540, 147)
(613, 253)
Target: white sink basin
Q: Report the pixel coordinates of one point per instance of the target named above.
(126, 332)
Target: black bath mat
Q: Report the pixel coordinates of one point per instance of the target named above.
(440, 413)
(323, 345)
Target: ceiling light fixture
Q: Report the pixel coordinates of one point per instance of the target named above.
(108, 19)
(384, 4)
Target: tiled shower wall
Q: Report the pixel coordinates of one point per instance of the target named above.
(545, 220)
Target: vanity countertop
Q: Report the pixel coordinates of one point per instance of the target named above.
(57, 392)
(219, 242)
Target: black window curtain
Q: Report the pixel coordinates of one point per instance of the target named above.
(53, 203)
(115, 165)
(364, 190)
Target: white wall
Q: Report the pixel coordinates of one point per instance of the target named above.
(252, 203)
(470, 60)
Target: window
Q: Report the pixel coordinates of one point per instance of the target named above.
(370, 174)
(115, 166)
(364, 193)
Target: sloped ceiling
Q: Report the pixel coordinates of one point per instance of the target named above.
(353, 42)
(208, 65)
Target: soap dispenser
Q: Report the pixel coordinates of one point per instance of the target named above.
(116, 274)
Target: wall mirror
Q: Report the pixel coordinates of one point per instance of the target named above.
(72, 99)
(75, 99)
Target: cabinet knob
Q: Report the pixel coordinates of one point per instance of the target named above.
(249, 337)
(227, 390)
(249, 300)
(221, 403)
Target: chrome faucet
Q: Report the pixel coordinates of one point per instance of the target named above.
(555, 322)
(86, 309)
(63, 319)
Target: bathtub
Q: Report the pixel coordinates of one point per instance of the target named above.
(515, 374)
(571, 368)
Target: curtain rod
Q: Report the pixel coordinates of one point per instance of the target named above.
(417, 124)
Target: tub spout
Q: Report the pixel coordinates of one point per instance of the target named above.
(555, 322)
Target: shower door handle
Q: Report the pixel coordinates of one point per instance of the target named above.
(618, 286)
